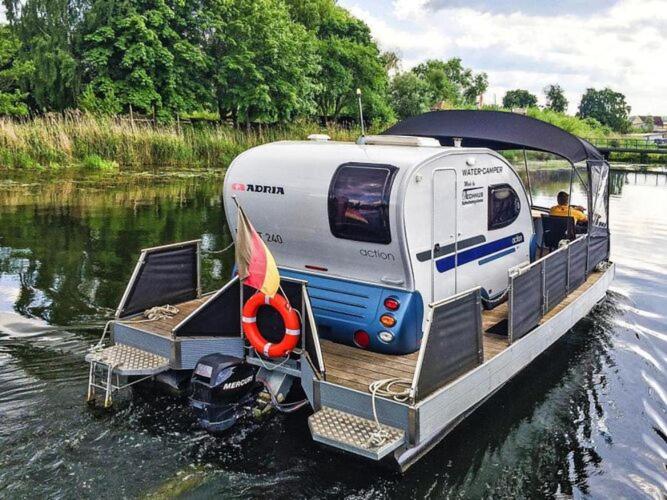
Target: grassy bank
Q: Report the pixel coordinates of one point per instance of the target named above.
(56, 142)
(53, 143)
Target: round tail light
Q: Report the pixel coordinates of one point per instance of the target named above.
(362, 339)
(387, 320)
(392, 303)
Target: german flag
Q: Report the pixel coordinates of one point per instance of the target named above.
(255, 264)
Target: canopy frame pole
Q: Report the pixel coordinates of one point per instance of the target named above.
(530, 189)
(581, 179)
(569, 196)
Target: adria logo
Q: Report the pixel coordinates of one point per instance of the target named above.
(258, 188)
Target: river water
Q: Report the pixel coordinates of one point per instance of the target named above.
(588, 418)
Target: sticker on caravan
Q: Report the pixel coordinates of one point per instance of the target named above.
(473, 196)
(258, 188)
(483, 170)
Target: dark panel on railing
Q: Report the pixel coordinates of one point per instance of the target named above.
(577, 264)
(598, 248)
(218, 317)
(525, 302)
(555, 279)
(453, 343)
(166, 276)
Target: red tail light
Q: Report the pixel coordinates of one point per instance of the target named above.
(362, 339)
(392, 303)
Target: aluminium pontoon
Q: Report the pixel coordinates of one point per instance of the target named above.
(411, 258)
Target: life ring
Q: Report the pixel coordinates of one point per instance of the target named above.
(254, 336)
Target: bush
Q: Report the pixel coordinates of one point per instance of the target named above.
(95, 162)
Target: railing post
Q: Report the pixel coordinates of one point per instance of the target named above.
(567, 271)
(510, 308)
(545, 293)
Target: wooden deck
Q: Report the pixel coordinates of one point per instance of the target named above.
(165, 326)
(356, 368)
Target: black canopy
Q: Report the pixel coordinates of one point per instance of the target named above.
(496, 130)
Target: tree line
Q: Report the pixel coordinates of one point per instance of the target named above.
(263, 61)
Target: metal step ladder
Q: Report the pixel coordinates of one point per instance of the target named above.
(110, 367)
(354, 434)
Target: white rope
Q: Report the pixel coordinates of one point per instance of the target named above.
(153, 314)
(397, 389)
(210, 252)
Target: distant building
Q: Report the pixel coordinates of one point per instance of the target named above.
(655, 123)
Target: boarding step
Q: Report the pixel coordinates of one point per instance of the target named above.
(110, 367)
(354, 434)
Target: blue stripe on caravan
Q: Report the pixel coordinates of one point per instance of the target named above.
(496, 256)
(479, 252)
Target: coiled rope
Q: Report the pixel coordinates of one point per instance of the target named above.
(153, 314)
(397, 389)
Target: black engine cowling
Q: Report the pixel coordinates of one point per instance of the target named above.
(222, 386)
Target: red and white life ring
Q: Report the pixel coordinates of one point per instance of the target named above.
(255, 337)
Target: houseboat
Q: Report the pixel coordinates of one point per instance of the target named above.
(419, 278)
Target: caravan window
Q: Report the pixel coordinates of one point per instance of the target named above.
(359, 202)
(504, 206)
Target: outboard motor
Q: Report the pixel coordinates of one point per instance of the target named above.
(223, 390)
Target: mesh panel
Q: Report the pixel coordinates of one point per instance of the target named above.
(453, 345)
(219, 317)
(577, 263)
(167, 276)
(526, 305)
(598, 248)
(555, 279)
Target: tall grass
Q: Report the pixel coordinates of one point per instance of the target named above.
(55, 142)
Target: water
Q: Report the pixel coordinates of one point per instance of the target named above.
(587, 418)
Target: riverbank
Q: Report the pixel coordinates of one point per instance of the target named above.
(60, 142)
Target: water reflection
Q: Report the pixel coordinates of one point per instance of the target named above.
(587, 418)
(68, 247)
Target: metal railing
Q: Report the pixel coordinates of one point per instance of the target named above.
(452, 344)
(537, 288)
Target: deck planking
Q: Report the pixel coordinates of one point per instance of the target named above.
(356, 368)
(164, 327)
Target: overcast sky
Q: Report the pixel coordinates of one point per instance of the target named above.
(530, 44)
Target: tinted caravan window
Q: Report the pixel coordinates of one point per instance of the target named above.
(504, 206)
(359, 202)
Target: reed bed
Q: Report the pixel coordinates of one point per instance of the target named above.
(83, 141)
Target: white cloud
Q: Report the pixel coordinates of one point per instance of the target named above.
(622, 47)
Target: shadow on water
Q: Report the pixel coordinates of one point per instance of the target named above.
(586, 418)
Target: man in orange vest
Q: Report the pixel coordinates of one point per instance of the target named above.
(564, 209)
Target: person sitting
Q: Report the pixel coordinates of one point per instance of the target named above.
(564, 209)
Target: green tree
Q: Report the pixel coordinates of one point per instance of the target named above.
(410, 95)
(451, 82)
(263, 62)
(519, 98)
(47, 30)
(12, 72)
(348, 59)
(556, 100)
(606, 106)
(134, 54)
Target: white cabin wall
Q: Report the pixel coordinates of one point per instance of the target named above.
(295, 223)
(472, 220)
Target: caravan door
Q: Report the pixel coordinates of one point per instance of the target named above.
(443, 234)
